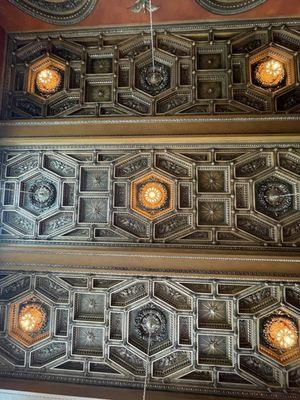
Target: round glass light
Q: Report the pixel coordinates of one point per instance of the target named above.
(153, 195)
(281, 333)
(48, 80)
(32, 318)
(270, 73)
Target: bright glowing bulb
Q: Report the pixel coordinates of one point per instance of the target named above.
(270, 73)
(281, 333)
(32, 318)
(153, 195)
(48, 80)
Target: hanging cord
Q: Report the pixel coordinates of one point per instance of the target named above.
(151, 34)
(13, 190)
(147, 367)
(285, 195)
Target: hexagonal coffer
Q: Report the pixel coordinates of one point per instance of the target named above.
(29, 321)
(279, 336)
(150, 322)
(38, 194)
(154, 78)
(45, 77)
(274, 197)
(152, 195)
(272, 69)
(151, 80)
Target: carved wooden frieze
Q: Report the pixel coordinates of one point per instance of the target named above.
(62, 12)
(198, 70)
(241, 197)
(228, 337)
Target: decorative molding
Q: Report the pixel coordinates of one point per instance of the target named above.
(57, 12)
(147, 121)
(228, 7)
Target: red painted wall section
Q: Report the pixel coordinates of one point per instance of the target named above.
(116, 12)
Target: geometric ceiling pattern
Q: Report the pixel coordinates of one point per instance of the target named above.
(196, 196)
(60, 12)
(233, 338)
(198, 70)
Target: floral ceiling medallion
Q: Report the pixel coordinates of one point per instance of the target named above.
(229, 6)
(60, 12)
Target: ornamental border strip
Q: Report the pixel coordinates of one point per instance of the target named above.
(199, 273)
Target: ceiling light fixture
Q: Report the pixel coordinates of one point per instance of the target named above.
(32, 318)
(270, 73)
(153, 195)
(48, 81)
(281, 333)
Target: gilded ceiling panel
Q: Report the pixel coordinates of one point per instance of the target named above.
(236, 338)
(237, 197)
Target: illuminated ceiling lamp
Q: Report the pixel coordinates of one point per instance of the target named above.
(32, 318)
(48, 81)
(281, 333)
(270, 73)
(153, 195)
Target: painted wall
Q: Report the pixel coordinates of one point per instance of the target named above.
(116, 12)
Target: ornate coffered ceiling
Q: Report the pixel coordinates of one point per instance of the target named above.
(60, 12)
(230, 337)
(235, 197)
(233, 70)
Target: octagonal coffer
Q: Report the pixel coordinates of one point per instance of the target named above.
(152, 195)
(272, 69)
(151, 323)
(274, 196)
(39, 194)
(279, 336)
(45, 77)
(29, 321)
